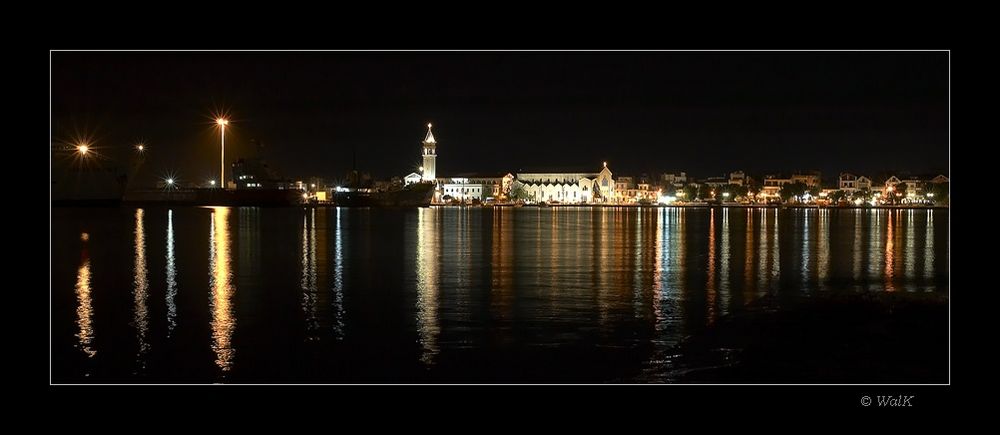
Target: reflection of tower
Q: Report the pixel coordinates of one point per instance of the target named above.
(430, 155)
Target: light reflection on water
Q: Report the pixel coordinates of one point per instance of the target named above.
(222, 289)
(440, 288)
(141, 289)
(84, 309)
(428, 259)
(171, 275)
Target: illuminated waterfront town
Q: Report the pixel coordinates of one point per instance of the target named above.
(594, 186)
(500, 218)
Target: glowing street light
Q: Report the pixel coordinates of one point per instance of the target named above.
(140, 147)
(83, 149)
(170, 181)
(222, 122)
(212, 182)
(725, 194)
(421, 169)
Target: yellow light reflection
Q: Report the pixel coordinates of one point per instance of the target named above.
(890, 259)
(308, 282)
(221, 282)
(502, 263)
(823, 240)
(776, 248)
(748, 259)
(763, 277)
(805, 249)
(874, 244)
(724, 264)
(710, 285)
(428, 252)
(141, 289)
(929, 246)
(909, 266)
(856, 245)
(84, 307)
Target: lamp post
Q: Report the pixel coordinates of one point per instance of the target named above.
(222, 163)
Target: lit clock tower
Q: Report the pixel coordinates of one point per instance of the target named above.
(430, 156)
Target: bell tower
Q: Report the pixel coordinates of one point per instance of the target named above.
(430, 156)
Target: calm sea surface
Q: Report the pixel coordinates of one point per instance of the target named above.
(267, 295)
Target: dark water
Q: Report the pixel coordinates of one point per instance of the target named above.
(445, 294)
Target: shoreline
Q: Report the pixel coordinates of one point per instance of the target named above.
(181, 203)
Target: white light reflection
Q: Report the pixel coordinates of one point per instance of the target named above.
(171, 276)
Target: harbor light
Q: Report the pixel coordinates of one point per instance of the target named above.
(223, 122)
(140, 148)
(666, 199)
(725, 194)
(170, 181)
(930, 195)
(212, 182)
(83, 148)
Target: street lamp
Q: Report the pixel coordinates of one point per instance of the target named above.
(212, 182)
(140, 148)
(725, 194)
(83, 149)
(222, 163)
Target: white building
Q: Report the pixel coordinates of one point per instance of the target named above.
(677, 180)
(412, 178)
(571, 187)
(809, 178)
(863, 183)
(738, 178)
(847, 182)
(469, 187)
(772, 187)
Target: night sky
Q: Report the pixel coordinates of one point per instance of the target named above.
(704, 113)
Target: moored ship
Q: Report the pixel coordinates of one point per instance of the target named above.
(412, 195)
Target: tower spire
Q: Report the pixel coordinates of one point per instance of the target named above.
(430, 136)
(430, 156)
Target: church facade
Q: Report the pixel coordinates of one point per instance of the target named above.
(568, 187)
